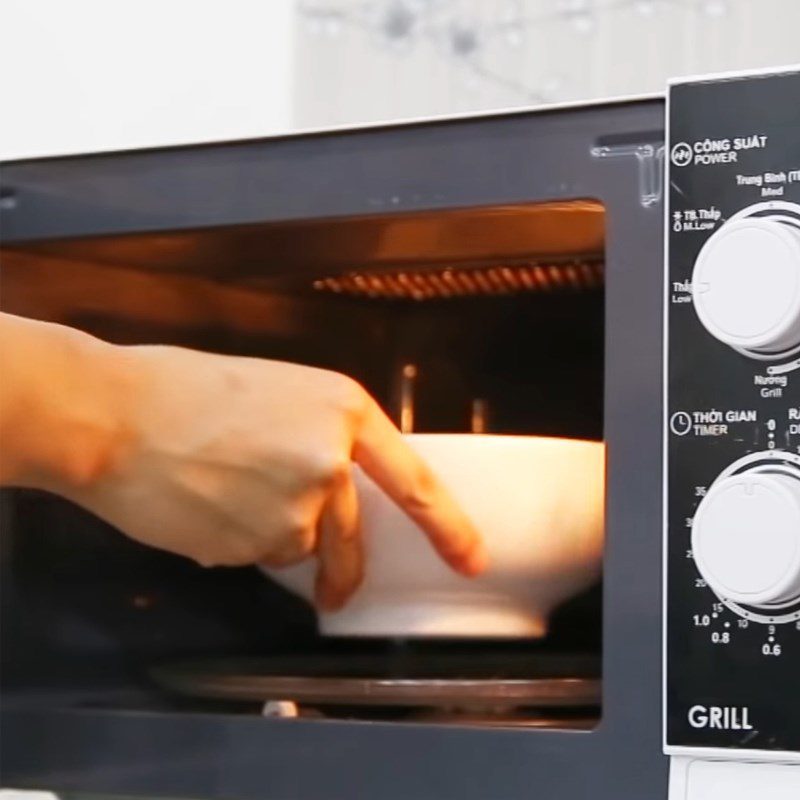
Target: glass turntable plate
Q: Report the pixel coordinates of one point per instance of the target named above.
(468, 682)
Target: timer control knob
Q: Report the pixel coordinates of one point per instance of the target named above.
(746, 283)
(746, 537)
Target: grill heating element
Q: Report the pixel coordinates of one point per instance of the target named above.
(437, 284)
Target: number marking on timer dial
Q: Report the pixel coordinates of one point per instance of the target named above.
(775, 617)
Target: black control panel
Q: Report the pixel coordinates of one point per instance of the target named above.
(732, 414)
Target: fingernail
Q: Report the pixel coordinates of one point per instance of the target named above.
(476, 561)
(327, 598)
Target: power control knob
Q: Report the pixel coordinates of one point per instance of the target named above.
(746, 537)
(746, 281)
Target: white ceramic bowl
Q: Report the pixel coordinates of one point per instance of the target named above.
(538, 502)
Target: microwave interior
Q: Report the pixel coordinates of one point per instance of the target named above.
(479, 320)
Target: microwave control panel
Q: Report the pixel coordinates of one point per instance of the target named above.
(732, 416)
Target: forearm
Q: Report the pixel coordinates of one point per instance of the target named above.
(59, 420)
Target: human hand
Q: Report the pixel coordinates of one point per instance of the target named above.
(233, 461)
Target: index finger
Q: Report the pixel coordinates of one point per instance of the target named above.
(382, 453)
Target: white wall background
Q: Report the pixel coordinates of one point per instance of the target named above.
(89, 75)
(85, 75)
(367, 60)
